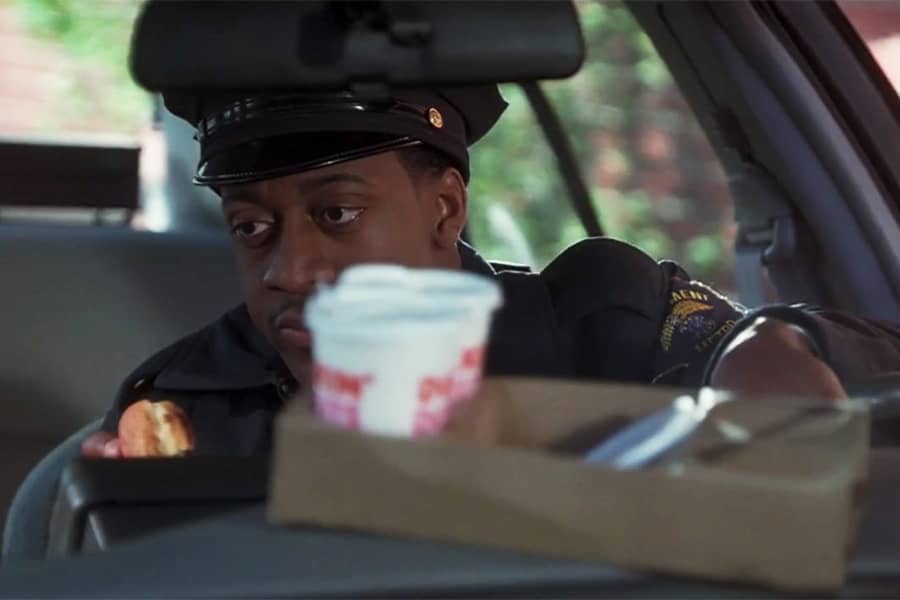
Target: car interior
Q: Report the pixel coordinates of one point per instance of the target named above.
(800, 116)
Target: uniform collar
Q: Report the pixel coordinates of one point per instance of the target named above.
(231, 354)
(473, 262)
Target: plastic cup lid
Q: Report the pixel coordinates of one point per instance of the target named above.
(473, 290)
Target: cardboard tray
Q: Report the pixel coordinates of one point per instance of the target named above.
(780, 511)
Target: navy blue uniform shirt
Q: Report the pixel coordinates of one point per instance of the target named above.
(602, 310)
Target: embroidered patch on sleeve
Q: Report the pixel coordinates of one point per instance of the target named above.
(697, 318)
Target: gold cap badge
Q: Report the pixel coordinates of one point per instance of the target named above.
(435, 118)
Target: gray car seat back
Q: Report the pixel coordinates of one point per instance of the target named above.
(80, 307)
(27, 526)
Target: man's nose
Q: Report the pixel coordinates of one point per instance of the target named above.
(298, 262)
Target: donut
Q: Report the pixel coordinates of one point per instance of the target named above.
(154, 429)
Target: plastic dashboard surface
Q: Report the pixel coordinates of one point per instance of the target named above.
(238, 554)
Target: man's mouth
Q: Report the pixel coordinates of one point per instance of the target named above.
(290, 328)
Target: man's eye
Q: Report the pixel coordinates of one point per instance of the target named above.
(250, 229)
(336, 216)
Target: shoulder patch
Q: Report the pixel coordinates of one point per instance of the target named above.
(697, 317)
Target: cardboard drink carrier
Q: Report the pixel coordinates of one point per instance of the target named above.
(766, 492)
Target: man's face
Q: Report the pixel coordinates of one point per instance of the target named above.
(292, 231)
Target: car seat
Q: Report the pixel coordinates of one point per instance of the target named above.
(27, 527)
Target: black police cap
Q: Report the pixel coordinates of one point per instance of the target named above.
(246, 136)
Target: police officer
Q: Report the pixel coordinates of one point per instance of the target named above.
(313, 183)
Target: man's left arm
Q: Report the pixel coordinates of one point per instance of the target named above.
(705, 339)
(798, 349)
(628, 318)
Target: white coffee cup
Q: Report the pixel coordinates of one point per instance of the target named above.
(395, 348)
(479, 295)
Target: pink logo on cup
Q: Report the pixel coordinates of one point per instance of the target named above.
(439, 394)
(467, 376)
(433, 404)
(338, 394)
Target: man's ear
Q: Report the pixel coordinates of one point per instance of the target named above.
(451, 210)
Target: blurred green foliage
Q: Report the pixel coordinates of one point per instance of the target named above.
(654, 179)
(94, 35)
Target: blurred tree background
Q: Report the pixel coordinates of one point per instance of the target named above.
(94, 90)
(654, 179)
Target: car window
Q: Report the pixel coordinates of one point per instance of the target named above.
(64, 73)
(878, 24)
(654, 178)
(64, 81)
